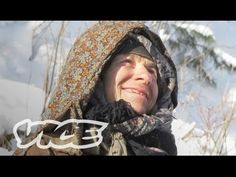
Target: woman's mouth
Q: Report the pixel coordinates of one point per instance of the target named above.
(136, 91)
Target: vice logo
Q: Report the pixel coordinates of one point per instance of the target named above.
(94, 134)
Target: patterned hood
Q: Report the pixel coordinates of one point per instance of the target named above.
(86, 61)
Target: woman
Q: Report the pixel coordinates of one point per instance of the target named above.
(119, 73)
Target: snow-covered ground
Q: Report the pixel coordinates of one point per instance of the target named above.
(18, 101)
(21, 82)
(5, 152)
(193, 141)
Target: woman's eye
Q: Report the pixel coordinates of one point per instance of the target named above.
(153, 72)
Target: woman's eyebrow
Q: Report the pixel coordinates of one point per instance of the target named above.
(152, 65)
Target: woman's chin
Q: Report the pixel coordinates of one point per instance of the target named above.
(141, 109)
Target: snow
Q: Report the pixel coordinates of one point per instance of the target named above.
(230, 60)
(163, 35)
(232, 95)
(5, 152)
(15, 50)
(192, 140)
(196, 27)
(18, 101)
(231, 145)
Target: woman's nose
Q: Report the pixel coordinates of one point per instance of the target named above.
(143, 75)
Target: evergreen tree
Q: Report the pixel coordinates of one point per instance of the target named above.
(193, 46)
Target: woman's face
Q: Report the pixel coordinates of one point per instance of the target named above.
(134, 79)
